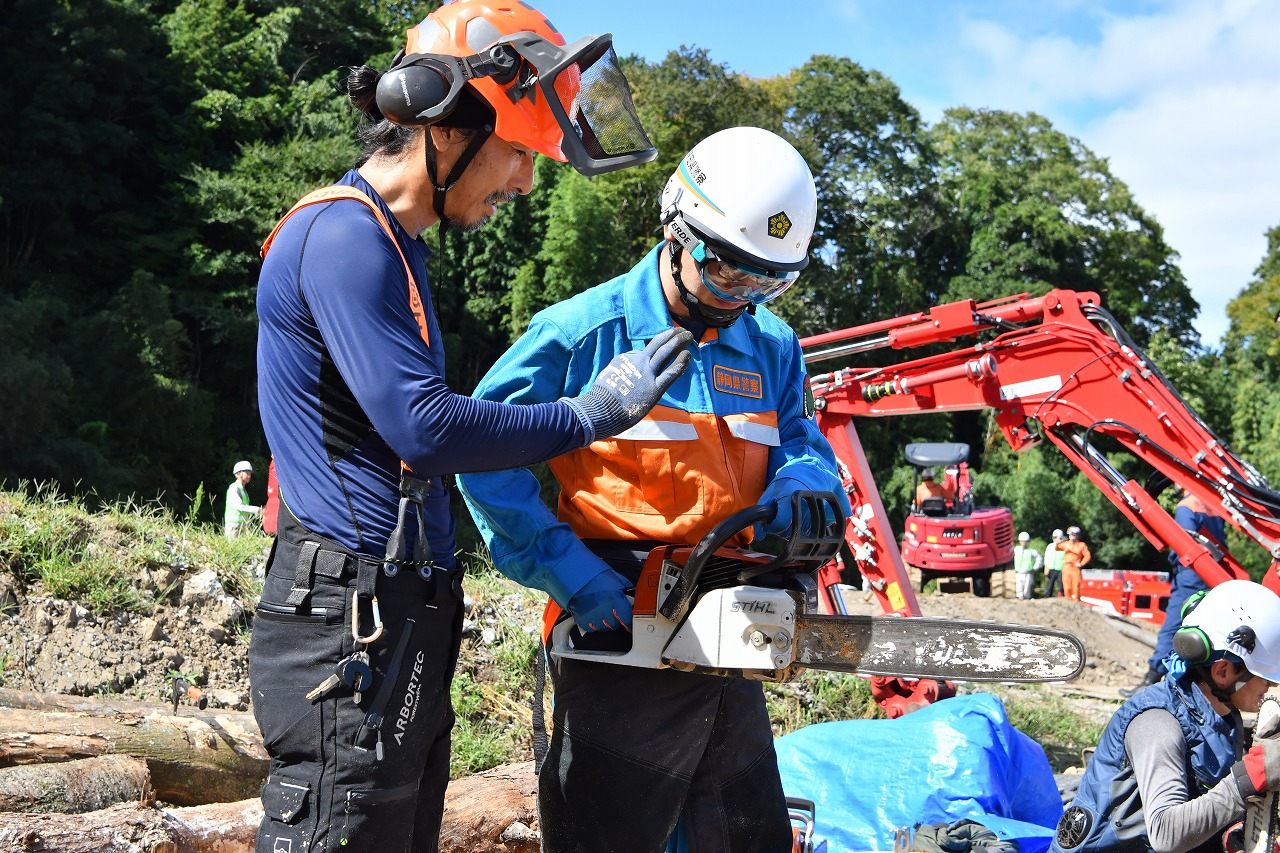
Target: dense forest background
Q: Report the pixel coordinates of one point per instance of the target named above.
(149, 145)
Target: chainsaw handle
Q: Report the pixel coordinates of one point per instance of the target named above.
(827, 522)
(677, 601)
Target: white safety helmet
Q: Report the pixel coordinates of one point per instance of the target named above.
(242, 465)
(1058, 534)
(1238, 616)
(744, 197)
(1073, 531)
(1024, 536)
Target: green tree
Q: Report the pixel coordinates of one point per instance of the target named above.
(1029, 208)
(872, 165)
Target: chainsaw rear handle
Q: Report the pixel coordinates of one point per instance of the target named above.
(807, 551)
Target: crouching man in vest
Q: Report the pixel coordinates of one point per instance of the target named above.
(1171, 773)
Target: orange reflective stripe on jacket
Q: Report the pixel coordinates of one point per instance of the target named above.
(335, 193)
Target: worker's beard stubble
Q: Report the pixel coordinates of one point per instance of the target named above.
(494, 199)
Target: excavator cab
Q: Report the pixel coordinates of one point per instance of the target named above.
(946, 537)
(945, 465)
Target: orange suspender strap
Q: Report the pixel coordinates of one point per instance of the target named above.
(339, 192)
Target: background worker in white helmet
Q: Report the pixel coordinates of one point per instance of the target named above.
(239, 511)
(1171, 773)
(633, 748)
(1026, 562)
(1053, 560)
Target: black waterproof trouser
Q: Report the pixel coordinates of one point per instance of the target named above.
(634, 749)
(347, 776)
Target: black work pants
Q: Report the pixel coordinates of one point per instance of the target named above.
(1052, 582)
(633, 749)
(336, 782)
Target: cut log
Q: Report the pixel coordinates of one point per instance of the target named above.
(86, 785)
(492, 811)
(137, 828)
(193, 757)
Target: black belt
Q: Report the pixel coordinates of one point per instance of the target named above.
(625, 556)
(312, 557)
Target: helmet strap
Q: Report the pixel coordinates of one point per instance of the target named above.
(440, 189)
(714, 318)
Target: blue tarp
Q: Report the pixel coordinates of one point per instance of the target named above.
(958, 758)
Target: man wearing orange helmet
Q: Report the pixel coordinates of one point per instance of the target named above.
(359, 623)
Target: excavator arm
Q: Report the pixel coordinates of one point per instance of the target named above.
(1059, 368)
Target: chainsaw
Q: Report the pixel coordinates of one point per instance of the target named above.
(742, 613)
(1262, 818)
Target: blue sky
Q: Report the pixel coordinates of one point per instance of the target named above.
(1181, 96)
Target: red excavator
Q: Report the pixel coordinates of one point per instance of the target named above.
(946, 536)
(1054, 367)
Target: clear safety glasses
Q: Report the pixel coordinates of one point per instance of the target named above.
(734, 281)
(730, 280)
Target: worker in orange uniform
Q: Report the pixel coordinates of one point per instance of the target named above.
(1076, 558)
(930, 488)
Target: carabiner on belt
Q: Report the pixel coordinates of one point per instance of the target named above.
(355, 619)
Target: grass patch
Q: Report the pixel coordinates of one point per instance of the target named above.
(102, 559)
(480, 739)
(493, 689)
(819, 697)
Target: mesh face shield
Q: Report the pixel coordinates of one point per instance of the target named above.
(588, 94)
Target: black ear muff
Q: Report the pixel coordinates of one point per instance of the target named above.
(410, 93)
(424, 88)
(1192, 645)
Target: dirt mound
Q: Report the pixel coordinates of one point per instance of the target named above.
(198, 632)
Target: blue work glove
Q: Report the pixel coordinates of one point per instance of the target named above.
(632, 384)
(602, 604)
(778, 493)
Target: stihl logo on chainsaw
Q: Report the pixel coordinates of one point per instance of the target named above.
(752, 607)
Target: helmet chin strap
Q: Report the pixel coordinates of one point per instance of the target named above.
(714, 318)
(440, 189)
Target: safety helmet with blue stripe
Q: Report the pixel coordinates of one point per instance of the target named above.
(743, 204)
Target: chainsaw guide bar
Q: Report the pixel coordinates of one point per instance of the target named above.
(950, 649)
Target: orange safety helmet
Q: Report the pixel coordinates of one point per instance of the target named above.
(568, 102)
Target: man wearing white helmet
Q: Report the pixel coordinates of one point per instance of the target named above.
(239, 511)
(1171, 773)
(1026, 562)
(633, 749)
(1053, 561)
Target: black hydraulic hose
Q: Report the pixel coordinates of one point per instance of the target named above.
(1250, 491)
(1099, 316)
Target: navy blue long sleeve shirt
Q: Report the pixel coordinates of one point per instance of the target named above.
(347, 387)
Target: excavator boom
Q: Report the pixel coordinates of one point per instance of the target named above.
(1059, 367)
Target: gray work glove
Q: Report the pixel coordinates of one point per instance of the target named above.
(632, 384)
(1259, 770)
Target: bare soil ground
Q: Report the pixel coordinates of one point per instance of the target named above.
(51, 645)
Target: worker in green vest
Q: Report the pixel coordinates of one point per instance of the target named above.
(1053, 562)
(1026, 562)
(239, 510)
